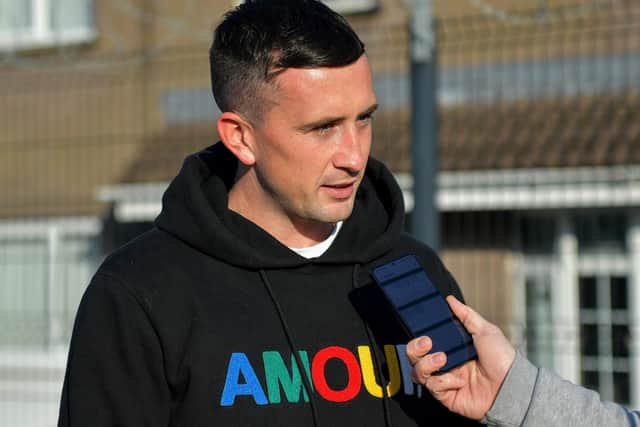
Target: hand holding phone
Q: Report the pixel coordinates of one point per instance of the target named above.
(422, 310)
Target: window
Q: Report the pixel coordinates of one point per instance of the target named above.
(28, 24)
(605, 335)
(345, 6)
(601, 232)
(23, 274)
(352, 6)
(537, 237)
(585, 261)
(44, 269)
(539, 328)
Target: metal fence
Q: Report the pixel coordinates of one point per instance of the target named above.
(539, 154)
(539, 183)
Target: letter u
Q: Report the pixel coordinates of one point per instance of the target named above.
(368, 373)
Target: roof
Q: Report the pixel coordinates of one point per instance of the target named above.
(593, 131)
(587, 131)
(69, 134)
(161, 157)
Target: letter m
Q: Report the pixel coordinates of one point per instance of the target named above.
(278, 375)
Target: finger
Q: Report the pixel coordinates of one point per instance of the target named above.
(440, 384)
(471, 320)
(426, 366)
(417, 348)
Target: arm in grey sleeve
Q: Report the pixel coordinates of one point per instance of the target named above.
(533, 397)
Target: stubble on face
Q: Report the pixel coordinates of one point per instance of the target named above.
(311, 149)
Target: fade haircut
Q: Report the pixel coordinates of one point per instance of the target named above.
(261, 38)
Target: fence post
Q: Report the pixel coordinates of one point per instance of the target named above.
(424, 153)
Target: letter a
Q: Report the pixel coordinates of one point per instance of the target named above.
(240, 365)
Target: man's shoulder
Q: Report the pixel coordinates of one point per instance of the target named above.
(147, 257)
(409, 244)
(146, 247)
(155, 268)
(406, 244)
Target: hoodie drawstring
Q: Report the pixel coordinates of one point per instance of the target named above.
(376, 360)
(293, 347)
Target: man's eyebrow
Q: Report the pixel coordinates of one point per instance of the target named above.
(369, 111)
(330, 120)
(319, 123)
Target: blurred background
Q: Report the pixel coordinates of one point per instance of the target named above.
(537, 184)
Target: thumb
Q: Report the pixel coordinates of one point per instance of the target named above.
(471, 320)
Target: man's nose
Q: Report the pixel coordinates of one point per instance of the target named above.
(350, 153)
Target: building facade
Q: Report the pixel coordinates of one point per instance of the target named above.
(539, 158)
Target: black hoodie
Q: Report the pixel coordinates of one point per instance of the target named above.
(207, 320)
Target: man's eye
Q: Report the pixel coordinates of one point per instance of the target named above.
(366, 119)
(322, 129)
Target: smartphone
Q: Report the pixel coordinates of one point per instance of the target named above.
(422, 310)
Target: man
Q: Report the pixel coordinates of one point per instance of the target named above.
(504, 389)
(251, 302)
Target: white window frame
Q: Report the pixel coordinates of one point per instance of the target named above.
(352, 6)
(51, 231)
(603, 318)
(566, 264)
(534, 270)
(344, 6)
(40, 34)
(38, 373)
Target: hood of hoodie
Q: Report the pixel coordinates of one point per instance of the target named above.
(194, 209)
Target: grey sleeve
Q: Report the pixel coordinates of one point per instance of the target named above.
(532, 397)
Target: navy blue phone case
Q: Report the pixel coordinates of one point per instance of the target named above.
(422, 309)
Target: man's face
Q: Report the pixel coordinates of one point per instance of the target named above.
(311, 147)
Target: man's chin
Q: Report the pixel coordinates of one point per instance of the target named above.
(337, 213)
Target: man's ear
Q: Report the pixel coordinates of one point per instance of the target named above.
(236, 134)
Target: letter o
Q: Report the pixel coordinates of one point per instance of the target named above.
(353, 372)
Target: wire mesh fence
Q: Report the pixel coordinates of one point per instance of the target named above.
(538, 186)
(539, 183)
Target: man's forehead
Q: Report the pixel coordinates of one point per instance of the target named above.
(354, 76)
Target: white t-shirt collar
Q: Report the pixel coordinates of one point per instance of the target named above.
(319, 248)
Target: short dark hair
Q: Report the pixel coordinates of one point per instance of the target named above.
(261, 38)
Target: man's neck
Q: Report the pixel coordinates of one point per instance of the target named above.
(291, 232)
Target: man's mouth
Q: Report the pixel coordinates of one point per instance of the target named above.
(340, 190)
